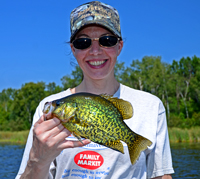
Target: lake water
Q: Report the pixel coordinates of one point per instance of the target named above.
(186, 160)
(10, 159)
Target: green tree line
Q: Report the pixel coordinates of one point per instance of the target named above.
(176, 84)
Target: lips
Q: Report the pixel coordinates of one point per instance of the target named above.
(97, 63)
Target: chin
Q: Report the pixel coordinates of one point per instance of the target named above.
(97, 76)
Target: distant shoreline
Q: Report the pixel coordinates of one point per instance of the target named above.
(16, 137)
(176, 135)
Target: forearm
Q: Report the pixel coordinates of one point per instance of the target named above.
(164, 177)
(35, 171)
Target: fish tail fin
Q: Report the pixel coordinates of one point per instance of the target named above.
(136, 145)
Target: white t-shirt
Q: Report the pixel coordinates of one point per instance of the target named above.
(95, 161)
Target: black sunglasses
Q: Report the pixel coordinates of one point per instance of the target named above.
(104, 41)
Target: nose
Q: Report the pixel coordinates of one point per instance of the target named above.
(95, 48)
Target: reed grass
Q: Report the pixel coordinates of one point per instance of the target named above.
(16, 137)
(184, 135)
(176, 135)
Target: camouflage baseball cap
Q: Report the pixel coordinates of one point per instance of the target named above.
(95, 12)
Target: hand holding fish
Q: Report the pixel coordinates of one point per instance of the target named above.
(48, 141)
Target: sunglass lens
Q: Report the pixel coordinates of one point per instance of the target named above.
(82, 43)
(108, 41)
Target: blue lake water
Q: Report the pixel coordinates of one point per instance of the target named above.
(186, 160)
(10, 159)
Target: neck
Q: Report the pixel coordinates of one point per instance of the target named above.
(102, 86)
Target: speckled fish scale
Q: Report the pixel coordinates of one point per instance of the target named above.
(100, 119)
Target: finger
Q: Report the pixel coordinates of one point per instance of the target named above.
(71, 144)
(42, 118)
(54, 137)
(59, 129)
(49, 124)
(45, 127)
(68, 133)
(60, 135)
(48, 116)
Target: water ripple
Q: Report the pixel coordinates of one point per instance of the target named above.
(10, 159)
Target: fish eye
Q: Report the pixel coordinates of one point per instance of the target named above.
(57, 103)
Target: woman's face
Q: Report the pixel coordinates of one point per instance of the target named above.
(96, 62)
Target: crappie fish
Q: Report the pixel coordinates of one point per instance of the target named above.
(100, 119)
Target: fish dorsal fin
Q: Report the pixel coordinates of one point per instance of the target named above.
(124, 107)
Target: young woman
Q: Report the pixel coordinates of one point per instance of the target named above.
(52, 152)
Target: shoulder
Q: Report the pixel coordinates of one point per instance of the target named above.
(143, 103)
(141, 97)
(55, 96)
(148, 111)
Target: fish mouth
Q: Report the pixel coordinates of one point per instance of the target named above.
(48, 108)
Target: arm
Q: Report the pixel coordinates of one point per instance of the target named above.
(48, 141)
(164, 177)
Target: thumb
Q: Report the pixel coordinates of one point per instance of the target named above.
(42, 119)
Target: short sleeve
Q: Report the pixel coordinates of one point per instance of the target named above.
(159, 161)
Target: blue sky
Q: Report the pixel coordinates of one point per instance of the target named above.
(33, 35)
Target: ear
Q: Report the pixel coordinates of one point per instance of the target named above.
(120, 46)
(72, 48)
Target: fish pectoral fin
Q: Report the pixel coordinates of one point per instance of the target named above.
(136, 146)
(115, 145)
(124, 107)
(77, 136)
